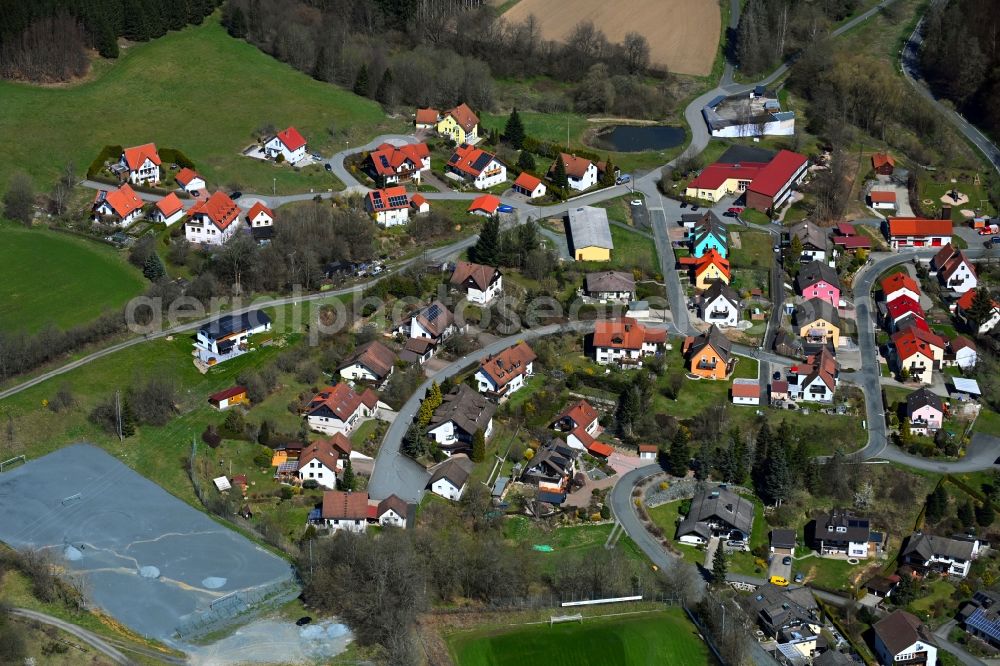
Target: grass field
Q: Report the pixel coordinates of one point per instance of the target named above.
(164, 91)
(683, 35)
(664, 637)
(59, 279)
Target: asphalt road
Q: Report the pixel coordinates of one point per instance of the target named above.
(941, 638)
(84, 635)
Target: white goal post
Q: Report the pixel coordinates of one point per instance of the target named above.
(556, 619)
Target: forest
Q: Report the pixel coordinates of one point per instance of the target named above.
(48, 40)
(960, 57)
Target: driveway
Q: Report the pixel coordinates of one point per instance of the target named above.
(777, 568)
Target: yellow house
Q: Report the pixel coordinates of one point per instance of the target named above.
(717, 180)
(711, 267)
(460, 124)
(818, 321)
(590, 234)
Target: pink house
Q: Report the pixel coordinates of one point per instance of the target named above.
(817, 280)
(925, 412)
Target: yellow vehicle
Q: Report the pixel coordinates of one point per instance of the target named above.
(780, 581)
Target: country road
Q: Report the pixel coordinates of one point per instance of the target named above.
(84, 635)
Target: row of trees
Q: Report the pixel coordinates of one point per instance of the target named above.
(47, 41)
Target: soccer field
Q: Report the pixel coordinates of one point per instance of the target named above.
(665, 637)
(59, 279)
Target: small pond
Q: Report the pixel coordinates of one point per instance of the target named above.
(637, 138)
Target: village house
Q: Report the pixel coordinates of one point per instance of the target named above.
(393, 511)
(486, 205)
(426, 118)
(954, 270)
(581, 424)
(924, 411)
(480, 283)
(774, 183)
(904, 232)
(287, 144)
(847, 238)
(709, 268)
(816, 379)
(345, 510)
(883, 164)
(709, 355)
(927, 552)
(898, 285)
(449, 478)
(716, 512)
(590, 234)
(190, 181)
(901, 638)
(392, 165)
(461, 414)
(818, 322)
(530, 186)
(581, 173)
(817, 280)
(234, 395)
(324, 459)
(779, 390)
(389, 207)
(782, 542)
(745, 392)
(371, 362)
(709, 234)
(902, 312)
(260, 220)
(979, 617)
(842, 533)
(340, 409)
(625, 341)
(460, 124)
(719, 305)
(777, 608)
(814, 241)
(168, 210)
(961, 352)
(609, 286)
(919, 352)
(882, 199)
(141, 163)
(648, 452)
(417, 350)
(212, 221)
(229, 336)
(119, 207)
(419, 203)
(718, 180)
(552, 469)
(477, 167)
(435, 322)
(964, 304)
(787, 344)
(501, 375)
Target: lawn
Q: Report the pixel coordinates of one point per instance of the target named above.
(938, 590)
(162, 91)
(633, 250)
(666, 516)
(754, 252)
(79, 279)
(988, 422)
(564, 540)
(664, 637)
(829, 574)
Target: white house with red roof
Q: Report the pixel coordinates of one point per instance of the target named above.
(916, 232)
(345, 511)
(485, 205)
(965, 302)
(503, 374)
(340, 409)
(287, 143)
(962, 353)
(625, 341)
(480, 283)
(954, 270)
(389, 164)
(190, 181)
(120, 207)
(476, 167)
(390, 207)
(260, 215)
(168, 210)
(774, 183)
(582, 424)
(882, 199)
(142, 164)
(898, 285)
(419, 203)
(581, 173)
(918, 352)
(528, 185)
(213, 221)
(324, 459)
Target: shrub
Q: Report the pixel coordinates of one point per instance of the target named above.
(107, 153)
(211, 437)
(262, 458)
(174, 156)
(286, 492)
(310, 484)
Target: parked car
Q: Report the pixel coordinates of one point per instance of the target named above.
(684, 204)
(786, 560)
(329, 167)
(799, 578)
(694, 207)
(989, 229)
(624, 178)
(504, 208)
(195, 193)
(235, 195)
(729, 213)
(736, 209)
(636, 202)
(780, 581)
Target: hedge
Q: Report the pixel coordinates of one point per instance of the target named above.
(107, 153)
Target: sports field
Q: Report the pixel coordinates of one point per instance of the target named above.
(198, 90)
(56, 278)
(682, 34)
(665, 637)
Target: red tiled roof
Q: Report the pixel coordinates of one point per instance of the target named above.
(464, 116)
(897, 281)
(777, 173)
(466, 158)
(338, 505)
(418, 200)
(219, 208)
(488, 203)
(882, 196)
(881, 159)
(136, 155)
(779, 386)
(709, 258)
(526, 181)
(230, 392)
(259, 207)
(291, 138)
(169, 204)
(576, 167)
(600, 449)
(482, 276)
(853, 242)
(123, 201)
(327, 451)
(917, 226)
(745, 389)
(914, 340)
(581, 413)
(845, 229)
(965, 301)
(508, 364)
(185, 176)
(383, 197)
(962, 342)
(342, 400)
(625, 333)
(387, 158)
(903, 305)
(427, 116)
(714, 175)
(648, 448)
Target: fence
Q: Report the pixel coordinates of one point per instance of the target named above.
(226, 610)
(8, 463)
(556, 601)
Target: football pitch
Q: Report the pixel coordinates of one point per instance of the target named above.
(663, 637)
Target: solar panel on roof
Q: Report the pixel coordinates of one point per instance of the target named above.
(378, 203)
(433, 312)
(398, 200)
(482, 161)
(385, 162)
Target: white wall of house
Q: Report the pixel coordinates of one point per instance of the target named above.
(966, 357)
(275, 147)
(358, 372)
(105, 210)
(447, 489)
(647, 455)
(444, 433)
(889, 298)
(494, 174)
(146, 173)
(721, 312)
(196, 184)
(486, 383)
(606, 355)
(962, 280)
(392, 218)
(885, 656)
(158, 216)
(202, 230)
(476, 295)
(349, 525)
(331, 425)
(692, 539)
(323, 475)
(955, 567)
(772, 128)
(813, 255)
(815, 391)
(884, 205)
(920, 368)
(740, 400)
(924, 419)
(392, 519)
(261, 219)
(588, 180)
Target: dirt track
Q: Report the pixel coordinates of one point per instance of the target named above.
(682, 34)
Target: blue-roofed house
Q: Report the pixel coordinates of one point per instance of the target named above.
(979, 617)
(709, 234)
(228, 337)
